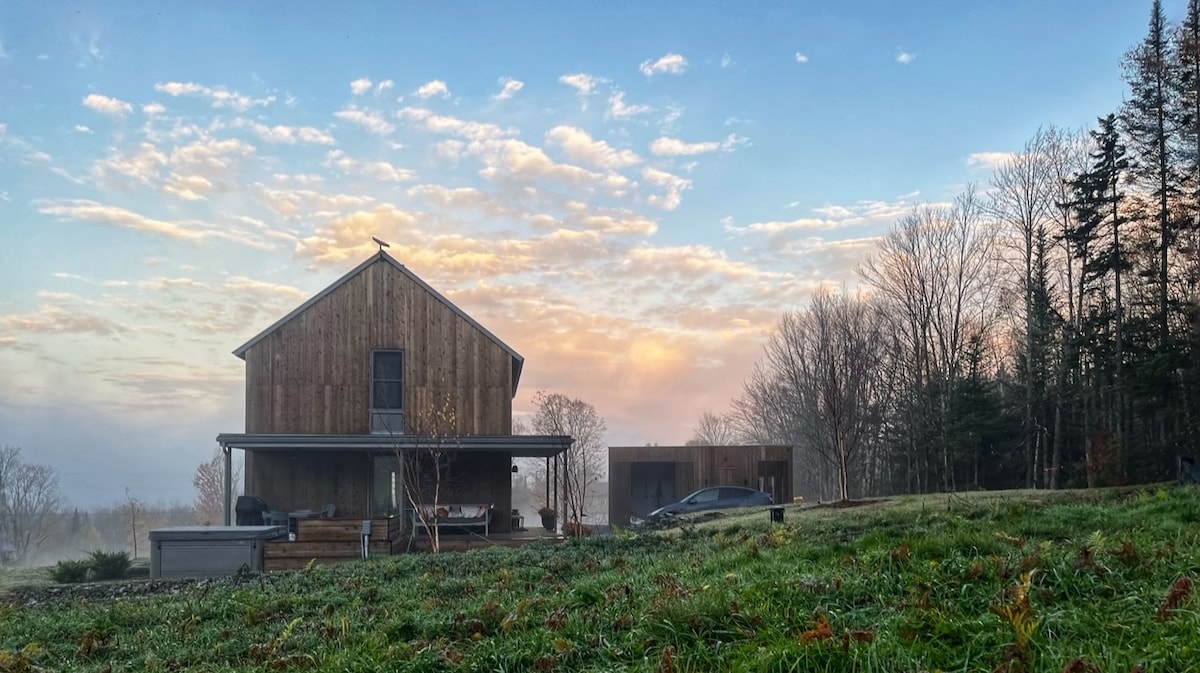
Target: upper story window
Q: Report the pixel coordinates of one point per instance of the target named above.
(387, 392)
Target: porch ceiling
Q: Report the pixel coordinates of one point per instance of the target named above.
(520, 446)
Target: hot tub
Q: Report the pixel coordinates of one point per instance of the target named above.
(204, 551)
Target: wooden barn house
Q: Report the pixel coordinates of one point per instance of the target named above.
(644, 478)
(375, 368)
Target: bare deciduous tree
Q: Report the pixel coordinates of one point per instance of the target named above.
(714, 430)
(558, 414)
(426, 465)
(1023, 200)
(823, 374)
(29, 499)
(209, 481)
(936, 271)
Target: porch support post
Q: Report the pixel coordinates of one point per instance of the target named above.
(228, 481)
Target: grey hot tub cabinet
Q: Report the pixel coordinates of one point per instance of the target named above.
(204, 551)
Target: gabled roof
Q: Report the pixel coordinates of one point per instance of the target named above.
(518, 361)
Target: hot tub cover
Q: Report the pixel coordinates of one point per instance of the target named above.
(194, 533)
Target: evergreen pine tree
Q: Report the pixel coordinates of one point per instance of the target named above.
(1096, 241)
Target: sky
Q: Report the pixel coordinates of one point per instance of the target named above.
(629, 194)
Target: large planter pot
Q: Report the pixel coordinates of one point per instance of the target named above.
(549, 522)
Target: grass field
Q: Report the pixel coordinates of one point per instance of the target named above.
(1016, 581)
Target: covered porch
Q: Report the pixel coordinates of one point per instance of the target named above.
(369, 476)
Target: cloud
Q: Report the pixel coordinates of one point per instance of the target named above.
(52, 319)
(673, 184)
(831, 217)
(92, 211)
(188, 187)
(433, 88)
(989, 160)
(4, 56)
(181, 88)
(579, 146)
(218, 97)
(672, 64)
(107, 105)
(349, 236)
(692, 261)
(79, 128)
(297, 203)
(726, 60)
(459, 198)
(672, 147)
(904, 57)
(371, 120)
(143, 166)
(384, 85)
(380, 170)
(154, 109)
(612, 222)
(289, 135)
(508, 88)
(512, 158)
(476, 131)
(801, 58)
(210, 157)
(617, 109)
(360, 86)
(584, 85)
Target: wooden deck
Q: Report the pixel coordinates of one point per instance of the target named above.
(323, 541)
(331, 541)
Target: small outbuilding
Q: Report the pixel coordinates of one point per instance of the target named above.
(644, 478)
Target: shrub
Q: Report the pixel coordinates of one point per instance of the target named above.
(110, 565)
(71, 572)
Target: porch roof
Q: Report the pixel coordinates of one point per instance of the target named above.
(520, 446)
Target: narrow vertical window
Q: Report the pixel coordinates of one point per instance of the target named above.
(387, 392)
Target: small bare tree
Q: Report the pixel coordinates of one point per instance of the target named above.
(134, 511)
(209, 481)
(558, 414)
(29, 500)
(425, 467)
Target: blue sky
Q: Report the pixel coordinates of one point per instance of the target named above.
(629, 194)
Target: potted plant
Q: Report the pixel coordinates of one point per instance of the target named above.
(549, 518)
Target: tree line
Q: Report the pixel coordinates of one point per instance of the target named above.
(1042, 331)
(38, 526)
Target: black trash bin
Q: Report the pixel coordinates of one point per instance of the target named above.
(249, 510)
(776, 513)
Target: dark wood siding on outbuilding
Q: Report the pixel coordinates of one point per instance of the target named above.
(695, 467)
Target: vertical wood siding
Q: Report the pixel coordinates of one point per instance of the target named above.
(695, 467)
(312, 375)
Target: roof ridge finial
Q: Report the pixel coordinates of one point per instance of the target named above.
(380, 243)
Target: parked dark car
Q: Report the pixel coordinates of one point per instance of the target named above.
(713, 497)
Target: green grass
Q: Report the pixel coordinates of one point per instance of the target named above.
(914, 584)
